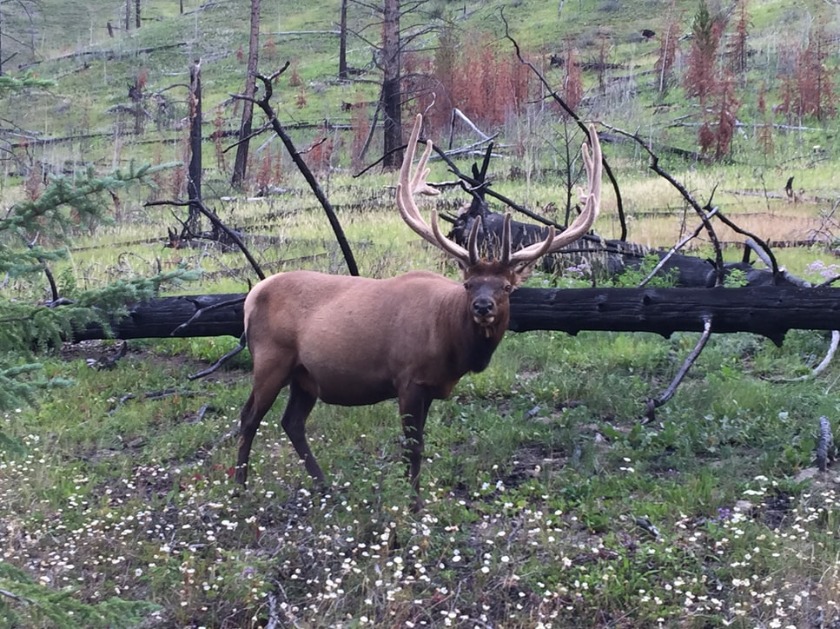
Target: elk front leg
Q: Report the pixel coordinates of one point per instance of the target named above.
(294, 423)
(414, 407)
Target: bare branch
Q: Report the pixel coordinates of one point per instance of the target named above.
(205, 310)
(474, 183)
(264, 103)
(236, 350)
(674, 250)
(652, 404)
(701, 212)
(251, 135)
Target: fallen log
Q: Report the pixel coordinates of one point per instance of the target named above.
(162, 317)
(765, 310)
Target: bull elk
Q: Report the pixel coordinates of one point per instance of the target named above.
(355, 341)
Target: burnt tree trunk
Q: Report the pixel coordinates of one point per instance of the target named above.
(194, 170)
(342, 42)
(764, 310)
(391, 97)
(240, 165)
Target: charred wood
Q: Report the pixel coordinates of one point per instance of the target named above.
(765, 310)
(605, 258)
(826, 451)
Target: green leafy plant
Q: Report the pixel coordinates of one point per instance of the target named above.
(632, 277)
(26, 324)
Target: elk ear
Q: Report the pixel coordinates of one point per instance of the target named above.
(522, 272)
(464, 267)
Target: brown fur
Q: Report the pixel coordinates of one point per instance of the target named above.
(354, 341)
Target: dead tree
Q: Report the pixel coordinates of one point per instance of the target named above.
(194, 170)
(391, 96)
(241, 162)
(342, 42)
(400, 26)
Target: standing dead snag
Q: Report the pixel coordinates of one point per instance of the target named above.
(354, 341)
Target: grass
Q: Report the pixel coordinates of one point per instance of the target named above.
(537, 478)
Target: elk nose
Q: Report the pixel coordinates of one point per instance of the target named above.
(482, 306)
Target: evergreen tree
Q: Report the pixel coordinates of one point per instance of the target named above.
(24, 603)
(31, 323)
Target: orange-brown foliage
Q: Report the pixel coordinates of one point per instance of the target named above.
(141, 79)
(668, 47)
(486, 84)
(719, 120)
(319, 154)
(270, 50)
(738, 51)
(265, 173)
(294, 77)
(727, 108)
(33, 186)
(573, 81)
(807, 86)
(700, 75)
(216, 137)
(814, 79)
(765, 131)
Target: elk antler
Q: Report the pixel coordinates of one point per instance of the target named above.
(581, 225)
(411, 184)
(415, 183)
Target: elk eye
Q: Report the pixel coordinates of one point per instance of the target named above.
(468, 285)
(508, 288)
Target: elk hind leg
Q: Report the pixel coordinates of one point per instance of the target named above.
(267, 385)
(294, 423)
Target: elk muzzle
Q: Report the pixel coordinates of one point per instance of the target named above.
(483, 310)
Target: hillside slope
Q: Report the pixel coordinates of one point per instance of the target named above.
(70, 44)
